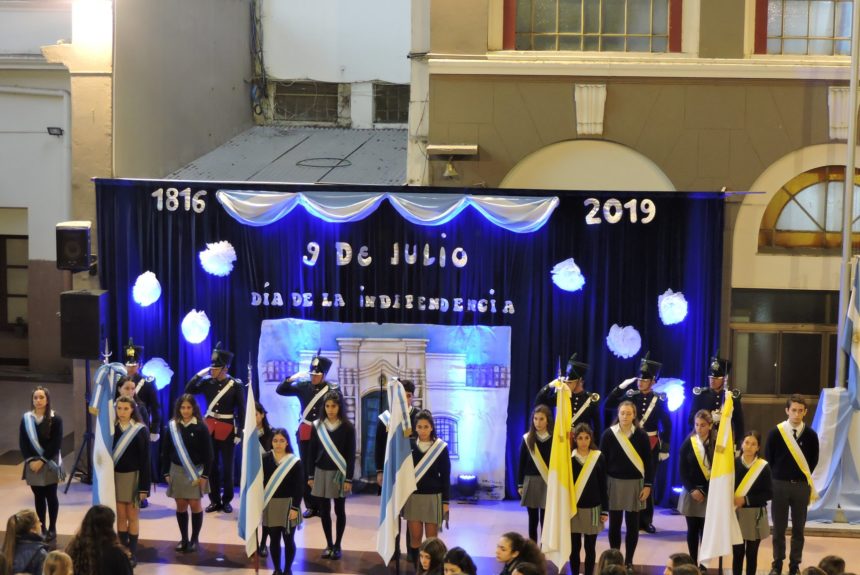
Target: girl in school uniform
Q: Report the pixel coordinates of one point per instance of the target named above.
(332, 458)
(40, 437)
(126, 387)
(283, 480)
(186, 459)
(629, 476)
(514, 550)
(694, 467)
(592, 498)
(753, 489)
(264, 433)
(532, 470)
(428, 505)
(131, 471)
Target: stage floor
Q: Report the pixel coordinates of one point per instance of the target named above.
(473, 527)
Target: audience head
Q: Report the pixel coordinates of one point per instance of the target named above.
(94, 536)
(676, 560)
(686, 569)
(513, 546)
(458, 561)
(832, 565)
(614, 569)
(431, 553)
(527, 569)
(18, 526)
(812, 570)
(609, 557)
(57, 563)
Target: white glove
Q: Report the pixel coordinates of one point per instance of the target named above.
(202, 372)
(154, 436)
(299, 375)
(237, 440)
(626, 383)
(663, 457)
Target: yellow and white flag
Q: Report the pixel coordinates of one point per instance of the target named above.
(721, 522)
(560, 501)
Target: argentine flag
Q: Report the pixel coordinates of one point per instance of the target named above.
(251, 486)
(104, 490)
(398, 475)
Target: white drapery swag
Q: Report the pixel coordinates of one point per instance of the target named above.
(260, 208)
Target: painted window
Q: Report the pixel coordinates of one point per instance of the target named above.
(652, 26)
(390, 103)
(804, 27)
(446, 430)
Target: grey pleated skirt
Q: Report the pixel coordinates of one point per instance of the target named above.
(180, 486)
(624, 494)
(277, 514)
(689, 507)
(326, 484)
(534, 492)
(426, 508)
(753, 522)
(45, 476)
(126, 486)
(586, 521)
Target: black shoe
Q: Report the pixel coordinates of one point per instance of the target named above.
(213, 507)
(794, 570)
(630, 570)
(649, 528)
(227, 508)
(192, 547)
(702, 569)
(335, 553)
(144, 504)
(132, 561)
(181, 547)
(776, 570)
(327, 553)
(310, 513)
(264, 551)
(51, 535)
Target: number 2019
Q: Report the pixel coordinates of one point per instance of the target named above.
(613, 211)
(172, 199)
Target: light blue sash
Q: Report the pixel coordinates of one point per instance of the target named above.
(32, 434)
(125, 440)
(284, 467)
(330, 448)
(429, 459)
(192, 472)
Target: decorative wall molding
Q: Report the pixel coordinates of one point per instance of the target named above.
(837, 106)
(590, 103)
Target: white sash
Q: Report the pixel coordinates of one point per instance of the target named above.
(139, 385)
(799, 457)
(330, 448)
(629, 450)
(125, 440)
(217, 398)
(648, 411)
(192, 472)
(313, 402)
(429, 458)
(581, 410)
(587, 467)
(281, 471)
(750, 477)
(537, 458)
(385, 417)
(699, 452)
(32, 434)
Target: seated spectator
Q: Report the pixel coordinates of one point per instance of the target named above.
(676, 560)
(832, 565)
(431, 553)
(527, 569)
(57, 563)
(812, 570)
(95, 548)
(686, 569)
(513, 549)
(614, 569)
(457, 561)
(23, 544)
(609, 557)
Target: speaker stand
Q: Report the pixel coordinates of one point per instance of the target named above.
(86, 450)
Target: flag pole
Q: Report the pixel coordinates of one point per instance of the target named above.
(257, 541)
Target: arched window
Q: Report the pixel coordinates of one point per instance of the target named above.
(446, 430)
(806, 213)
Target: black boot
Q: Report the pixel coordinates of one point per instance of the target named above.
(123, 538)
(196, 526)
(132, 548)
(182, 520)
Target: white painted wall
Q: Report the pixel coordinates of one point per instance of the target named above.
(337, 40)
(25, 25)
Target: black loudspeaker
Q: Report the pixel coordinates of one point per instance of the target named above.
(83, 323)
(73, 246)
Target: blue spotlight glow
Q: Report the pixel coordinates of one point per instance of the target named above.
(672, 307)
(146, 290)
(623, 341)
(567, 275)
(158, 369)
(217, 259)
(674, 390)
(195, 326)
(678, 490)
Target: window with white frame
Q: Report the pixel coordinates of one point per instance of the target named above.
(804, 27)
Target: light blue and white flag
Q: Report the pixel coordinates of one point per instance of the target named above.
(398, 475)
(104, 492)
(251, 487)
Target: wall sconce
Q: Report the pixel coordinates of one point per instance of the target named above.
(55, 131)
(451, 151)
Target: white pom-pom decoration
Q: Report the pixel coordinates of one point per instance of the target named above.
(157, 368)
(567, 276)
(195, 326)
(217, 259)
(674, 390)
(623, 341)
(146, 290)
(672, 307)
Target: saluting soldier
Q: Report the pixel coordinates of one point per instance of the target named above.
(225, 416)
(145, 392)
(584, 404)
(712, 397)
(652, 413)
(310, 388)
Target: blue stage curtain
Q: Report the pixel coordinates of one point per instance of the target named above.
(626, 267)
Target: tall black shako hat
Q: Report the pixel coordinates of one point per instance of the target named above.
(320, 364)
(133, 353)
(719, 367)
(575, 369)
(648, 368)
(221, 357)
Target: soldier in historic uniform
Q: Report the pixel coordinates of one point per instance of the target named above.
(225, 416)
(145, 392)
(712, 397)
(310, 388)
(584, 404)
(652, 413)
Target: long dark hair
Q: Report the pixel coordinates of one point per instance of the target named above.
(186, 397)
(267, 428)
(527, 550)
(436, 549)
(335, 397)
(458, 556)
(583, 428)
(757, 436)
(17, 526)
(95, 535)
(49, 413)
(532, 435)
(283, 433)
(427, 416)
(135, 414)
